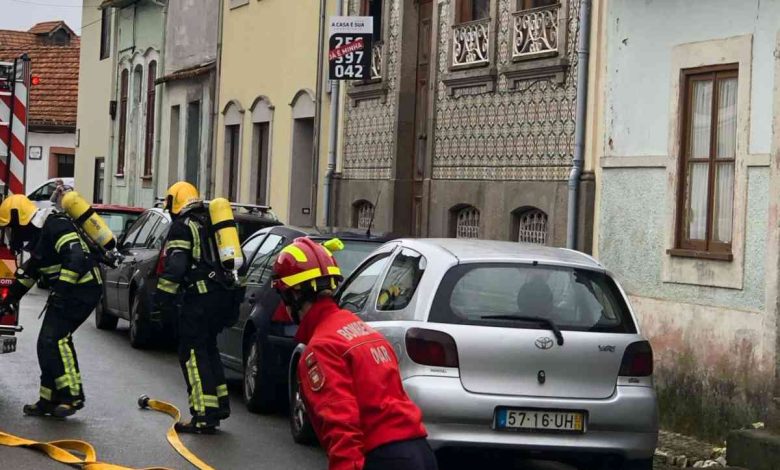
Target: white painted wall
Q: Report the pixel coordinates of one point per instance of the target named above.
(38, 170)
(641, 38)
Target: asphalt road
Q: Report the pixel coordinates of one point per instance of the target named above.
(114, 375)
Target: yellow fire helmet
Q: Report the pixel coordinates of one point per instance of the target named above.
(17, 210)
(179, 196)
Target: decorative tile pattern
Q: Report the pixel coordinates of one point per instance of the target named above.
(369, 134)
(522, 134)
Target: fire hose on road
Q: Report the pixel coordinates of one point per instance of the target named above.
(80, 453)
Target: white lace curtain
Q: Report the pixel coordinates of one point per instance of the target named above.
(699, 172)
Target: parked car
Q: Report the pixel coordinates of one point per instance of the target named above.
(128, 289)
(508, 346)
(260, 344)
(41, 195)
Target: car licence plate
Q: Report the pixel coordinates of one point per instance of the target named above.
(7, 344)
(539, 420)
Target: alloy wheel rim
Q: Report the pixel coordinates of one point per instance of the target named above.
(250, 373)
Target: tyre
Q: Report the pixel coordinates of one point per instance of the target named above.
(300, 427)
(259, 388)
(140, 329)
(103, 319)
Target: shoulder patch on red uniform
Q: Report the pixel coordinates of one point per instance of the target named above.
(316, 378)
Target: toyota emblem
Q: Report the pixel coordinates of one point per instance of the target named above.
(544, 342)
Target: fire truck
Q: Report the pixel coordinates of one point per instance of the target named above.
(14, 86)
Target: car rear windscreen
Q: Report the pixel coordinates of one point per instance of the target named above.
(498, 294)
(354, 253)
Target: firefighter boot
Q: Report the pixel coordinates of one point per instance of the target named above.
(40, 409)
(195, 427)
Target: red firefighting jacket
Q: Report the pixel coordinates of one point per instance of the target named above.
(352, 387)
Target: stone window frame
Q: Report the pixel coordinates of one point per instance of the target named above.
(372, 88)
(549, 65)
(262, 112)
(232, 115)
(692, 270)
(482, 74)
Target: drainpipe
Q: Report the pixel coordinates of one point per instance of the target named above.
(333, 133)
(159, 104)
(583, 54)
(215, 82)
(318, 109)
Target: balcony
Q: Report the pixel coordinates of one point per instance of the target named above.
(539, 46)
(471, 43)
(536, 33)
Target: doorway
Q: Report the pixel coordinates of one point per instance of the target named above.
(421, 111)
(302, 173)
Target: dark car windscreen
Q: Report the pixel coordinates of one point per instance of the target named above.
(497, 294)
(353, 254)
(247, 227)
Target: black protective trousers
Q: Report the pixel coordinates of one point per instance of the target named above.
(201, 319)
(60, 374)
(414, 454)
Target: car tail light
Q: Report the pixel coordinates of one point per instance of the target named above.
(431, 348)
(637, 360)
(160, 263)
(9, 319)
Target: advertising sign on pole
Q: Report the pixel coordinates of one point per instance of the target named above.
(349, 48)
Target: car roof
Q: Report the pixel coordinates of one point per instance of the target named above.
(117, 208)
(468, 251)
(291, 231)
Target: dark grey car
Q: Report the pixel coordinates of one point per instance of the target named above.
(129, 288)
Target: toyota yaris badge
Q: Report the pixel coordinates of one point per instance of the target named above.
(544, 343)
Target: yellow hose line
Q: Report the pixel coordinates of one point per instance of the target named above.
(172, 435)
(61, 451)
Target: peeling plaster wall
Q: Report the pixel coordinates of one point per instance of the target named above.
(712, 324)
(191, 34)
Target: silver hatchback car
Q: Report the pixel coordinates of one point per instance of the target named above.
(512, 346)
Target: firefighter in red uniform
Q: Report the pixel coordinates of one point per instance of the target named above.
(348, 373)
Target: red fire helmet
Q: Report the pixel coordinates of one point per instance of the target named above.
(305, 261)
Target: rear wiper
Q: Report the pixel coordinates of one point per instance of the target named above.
(546, 321)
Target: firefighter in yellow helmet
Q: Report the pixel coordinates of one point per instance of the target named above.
(58, 253)
(193, 289)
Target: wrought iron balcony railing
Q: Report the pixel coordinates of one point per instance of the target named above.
(471, 43)
(376, 61)
(536, 32)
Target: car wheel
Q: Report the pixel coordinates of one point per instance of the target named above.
(300, 426)
(140, 330)
(103, 319)
(259, 388)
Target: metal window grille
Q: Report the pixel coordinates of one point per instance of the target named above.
(467, 224)
(532, 227)
(364, 214)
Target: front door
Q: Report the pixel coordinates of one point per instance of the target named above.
(422, 109)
